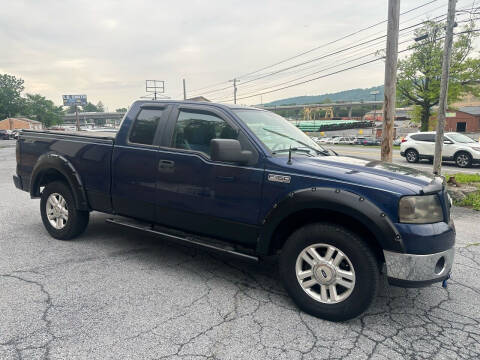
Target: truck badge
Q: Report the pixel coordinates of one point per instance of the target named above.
(279, 178)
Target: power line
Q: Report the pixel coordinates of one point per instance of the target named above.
(341, 70)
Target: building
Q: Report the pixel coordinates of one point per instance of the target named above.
(20, 123)
(465, 119)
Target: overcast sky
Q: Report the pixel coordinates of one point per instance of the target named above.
(106, 49)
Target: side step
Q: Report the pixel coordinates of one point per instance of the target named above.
(184, 238)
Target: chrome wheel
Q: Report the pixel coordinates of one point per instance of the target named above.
(57, 211)
(411, 156)
(325, 273)
(462, 160)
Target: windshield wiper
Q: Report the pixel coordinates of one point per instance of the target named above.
(323, 152)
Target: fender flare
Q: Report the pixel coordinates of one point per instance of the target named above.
(63, 166)
(341, 201)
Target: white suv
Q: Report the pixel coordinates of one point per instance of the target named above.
(456, 147)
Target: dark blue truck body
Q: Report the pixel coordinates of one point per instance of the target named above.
(255, 205)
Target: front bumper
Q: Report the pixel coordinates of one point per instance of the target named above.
(410, 270)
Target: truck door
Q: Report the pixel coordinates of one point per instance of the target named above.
(199, 195)
(135, 162)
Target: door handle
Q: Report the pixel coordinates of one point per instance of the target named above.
(166, 164)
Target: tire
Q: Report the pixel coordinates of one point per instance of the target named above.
(66, 225)
(463, 159)
(412, 156)
(360, 261)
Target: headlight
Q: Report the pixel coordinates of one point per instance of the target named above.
(420, 209)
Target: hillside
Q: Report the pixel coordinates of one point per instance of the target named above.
(347, 95)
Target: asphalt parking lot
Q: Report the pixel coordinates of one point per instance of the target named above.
(117, 294)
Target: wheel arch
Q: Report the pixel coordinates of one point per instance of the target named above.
(334, 206)
(53, 167)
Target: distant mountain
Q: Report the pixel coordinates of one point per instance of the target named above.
(347, 95)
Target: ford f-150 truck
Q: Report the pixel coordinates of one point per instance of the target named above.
(247, 182)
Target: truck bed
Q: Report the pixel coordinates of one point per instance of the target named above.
(89, 153)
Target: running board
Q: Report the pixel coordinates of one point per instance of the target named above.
(183, 238)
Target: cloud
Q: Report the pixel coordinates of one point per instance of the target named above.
(108, 48)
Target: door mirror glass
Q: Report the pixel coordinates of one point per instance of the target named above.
(229, 150)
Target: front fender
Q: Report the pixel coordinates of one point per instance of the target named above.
(340, 201)
(52, 161)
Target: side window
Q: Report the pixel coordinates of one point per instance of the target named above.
(195, 129)
(423, 137)
(145, 126)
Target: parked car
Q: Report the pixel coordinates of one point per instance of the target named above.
(372, 141)
(247, 183)
(359, 140)
(461, 149)
(5, 134)
(323, 140)
(343, 140)
(397, 141)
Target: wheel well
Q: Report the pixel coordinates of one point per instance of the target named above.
(308, 216)
(47, 176)
(411, 148)
(462, 151)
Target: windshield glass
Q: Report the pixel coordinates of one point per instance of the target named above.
(278, 134)
(460, 138)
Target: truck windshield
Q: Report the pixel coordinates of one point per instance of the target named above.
(278, 134)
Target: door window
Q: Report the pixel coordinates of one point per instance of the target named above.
(195, 129)
(145, 126)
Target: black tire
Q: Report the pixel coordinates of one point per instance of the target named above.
(77, 220)
(463, 159)
(412, 156)
(365, 265)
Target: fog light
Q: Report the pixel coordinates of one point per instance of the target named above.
(440, 266)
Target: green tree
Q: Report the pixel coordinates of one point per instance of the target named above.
(100, 107)
(11, 102)
(419, 74)
(43, 110)
(120, 110)
(90, 107)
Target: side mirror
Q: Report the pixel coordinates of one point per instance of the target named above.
(228, 150)
(447, 142)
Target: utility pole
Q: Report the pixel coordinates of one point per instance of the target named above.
(442, 104)
(390, 79)
(234, 89)
(184, 91)
(77, 121)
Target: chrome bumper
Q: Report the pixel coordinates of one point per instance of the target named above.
(408, 269)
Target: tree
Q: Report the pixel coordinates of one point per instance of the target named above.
(90, 107)
(43, 110)
(11, 102)
(121, 110)
(100, 107)
(419, 74)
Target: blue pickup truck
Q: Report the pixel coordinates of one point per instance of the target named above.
(246, 182)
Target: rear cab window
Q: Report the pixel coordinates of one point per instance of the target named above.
(145, 126)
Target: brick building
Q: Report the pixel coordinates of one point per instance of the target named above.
(19, 123)
(465, 119)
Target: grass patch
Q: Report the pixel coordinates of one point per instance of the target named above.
(472, 200)
(465, 178)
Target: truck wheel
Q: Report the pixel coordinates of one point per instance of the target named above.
(59, 215)
(412, 156)
(329, 271)
(463, 159)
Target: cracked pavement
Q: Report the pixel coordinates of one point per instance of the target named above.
(119, 294)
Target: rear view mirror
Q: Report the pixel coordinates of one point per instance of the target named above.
(447, 142)
(228, 150)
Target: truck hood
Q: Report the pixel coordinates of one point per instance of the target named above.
(379, 174)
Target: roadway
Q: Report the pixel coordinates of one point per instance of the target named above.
(373, 153)
(120, 294)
